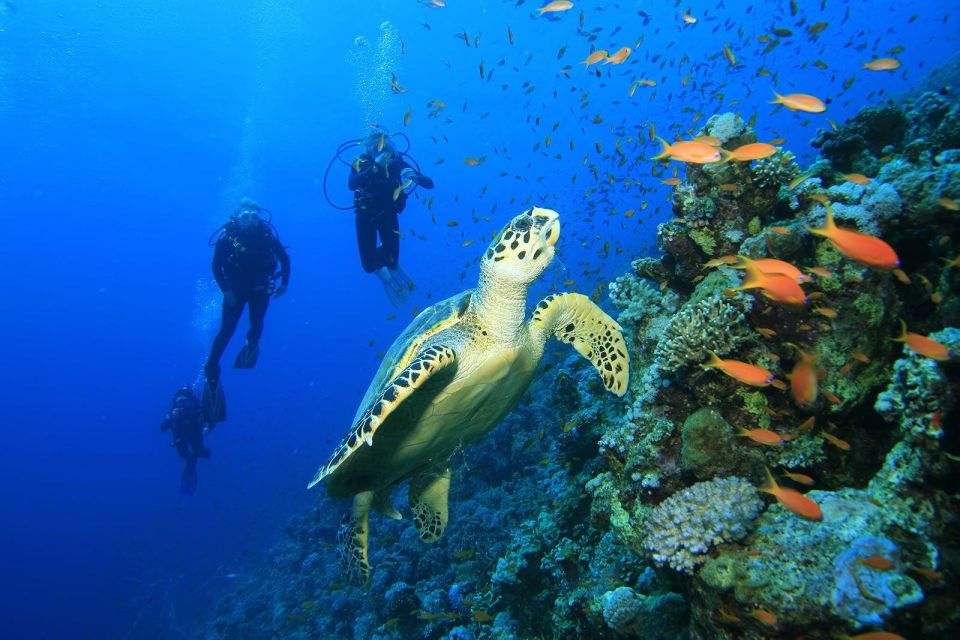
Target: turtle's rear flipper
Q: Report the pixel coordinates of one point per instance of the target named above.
(574, 319)
(421, 369)
(352, 538)
(428, 498)
(188, 481)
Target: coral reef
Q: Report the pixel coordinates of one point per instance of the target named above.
(640, 517)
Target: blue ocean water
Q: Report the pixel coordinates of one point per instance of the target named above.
(129, 131)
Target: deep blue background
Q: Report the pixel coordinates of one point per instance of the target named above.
(129, 130)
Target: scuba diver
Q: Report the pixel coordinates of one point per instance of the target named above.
(380, 179)
(244, 266)
(185, 420)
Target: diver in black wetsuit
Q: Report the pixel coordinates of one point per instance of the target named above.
(244, 266)
(379, 178)
(185, 420)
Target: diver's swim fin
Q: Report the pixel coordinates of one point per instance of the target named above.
(247, 358)
(389, 287)
(402, 282)
(213, 403)
(188, 481)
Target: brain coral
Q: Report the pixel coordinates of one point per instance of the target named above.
(681, 530)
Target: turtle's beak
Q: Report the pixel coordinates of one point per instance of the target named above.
(551, 233)
(548, 221)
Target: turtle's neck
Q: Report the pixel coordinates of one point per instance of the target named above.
(501, 306)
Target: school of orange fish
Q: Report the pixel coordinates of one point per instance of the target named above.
(777, 280)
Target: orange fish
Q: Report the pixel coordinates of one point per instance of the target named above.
(673, 182)
(473, 162)
(861, 357)
(803, 380)
(807, 424)
(819, 271)
(742, 371)
(776, 287)
(826, 312)
(877, 563)
(716, 262)
(949, 203)
(780, 231)
(765, 617)
(820, 197)
(800, 102)
(831, 397)
(748, 152)
(762, 436)
(622, 54)
(689, 19)
(792, 500)
(856, 178)
(927, 573)
(772, 266)
(882, 64)
(837, 442)
(802, 478)
(688, 151)
(859, 247)
(557, 5)
(595, 57)
(875, 635)
(922, 345)
(728, 617)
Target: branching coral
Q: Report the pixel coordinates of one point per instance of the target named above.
(683, 528)
(713, 324)
(775, 171)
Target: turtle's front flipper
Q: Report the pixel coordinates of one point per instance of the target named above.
(421, 369)
(428, 498)
(574, 319)
(352, 536)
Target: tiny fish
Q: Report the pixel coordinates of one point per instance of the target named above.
(837, 442)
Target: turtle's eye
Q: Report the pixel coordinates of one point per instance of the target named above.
(522, 224)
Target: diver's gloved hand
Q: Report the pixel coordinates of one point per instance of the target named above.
(282, 289)
(408, 174)
(229, 298)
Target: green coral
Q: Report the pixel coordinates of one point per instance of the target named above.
(705, 240)
(871, 308)
(755, 403)
(709, 445)
(754, 226)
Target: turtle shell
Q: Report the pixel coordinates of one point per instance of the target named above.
(431, 320)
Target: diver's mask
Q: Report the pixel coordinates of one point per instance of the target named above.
(247, 218)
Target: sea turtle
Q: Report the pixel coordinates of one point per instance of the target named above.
(453, 375)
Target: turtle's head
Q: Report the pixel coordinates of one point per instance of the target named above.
(525, 247)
